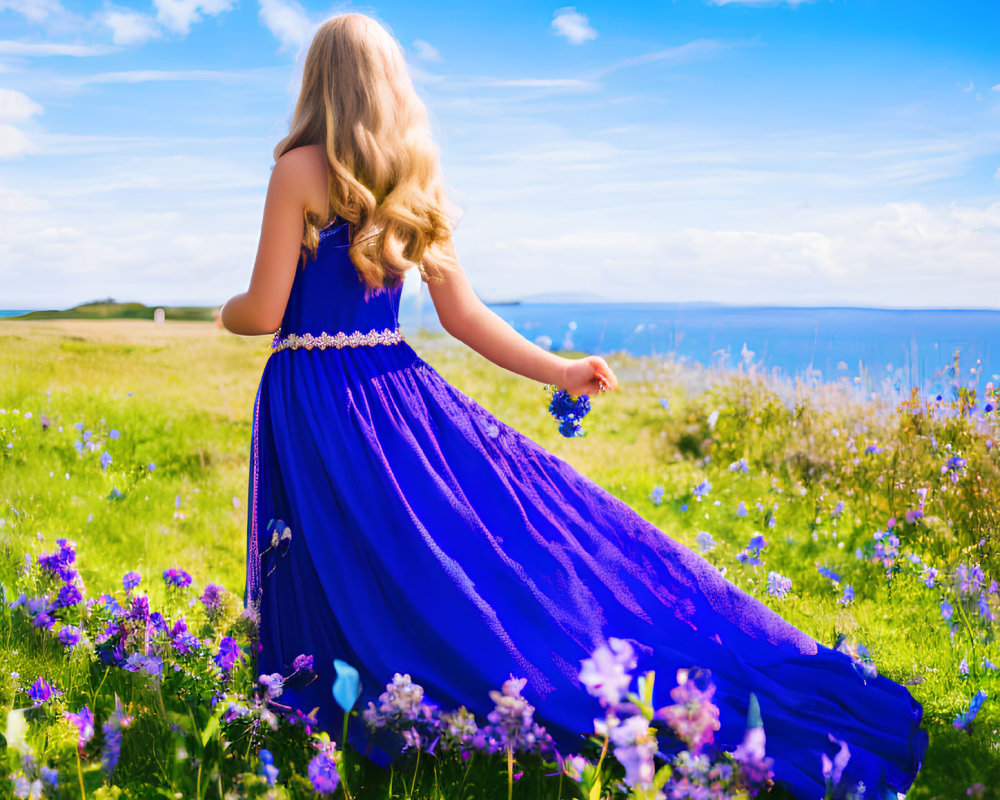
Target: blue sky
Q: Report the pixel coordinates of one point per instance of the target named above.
(801, 153)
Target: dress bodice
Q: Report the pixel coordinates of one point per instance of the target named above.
(328, 295)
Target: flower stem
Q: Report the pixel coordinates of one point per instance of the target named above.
(343, 756)
(413, 783)
(79, 773)
(510, 772)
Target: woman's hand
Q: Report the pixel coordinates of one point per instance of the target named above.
(589, 375)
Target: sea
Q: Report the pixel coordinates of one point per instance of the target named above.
(871, 347)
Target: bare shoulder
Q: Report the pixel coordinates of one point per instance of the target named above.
(305, 168)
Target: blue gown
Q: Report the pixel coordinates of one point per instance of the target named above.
(429, 537)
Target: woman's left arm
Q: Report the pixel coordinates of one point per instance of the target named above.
(259, 309)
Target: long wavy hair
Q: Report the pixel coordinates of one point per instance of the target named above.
(384, 176)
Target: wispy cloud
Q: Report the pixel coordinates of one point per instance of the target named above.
(161, 75)
(16, 106)
(574, 26)
(680, 53)
(179, 15)
(287, 21)
(33, 10)
(539, 83)
(426, 51)
(14, 143)
(130, 27)
(9, 47)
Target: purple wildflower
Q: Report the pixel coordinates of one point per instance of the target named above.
(964, 666)
(273, 685)
(837, 510)
(59, 561)
(69, 635)
(323, 774)
(739, 466)
(41, 692)
(84, 722)
(705, 541)
(176, 577)
(402, 701)
(946, 610)
(693, 717)
(848, 595)
(984, 607)
(303, 662)
(606, 673)
(833, 770)
(635, 746)
(212, 598)
(930, 575)
(229, 653)
(69, 595)
(105, 460)
(183, 641)
(131, 580)
(741, 509)
(512, 720)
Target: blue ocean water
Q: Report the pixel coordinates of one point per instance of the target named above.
(7, 312)
(866, 346)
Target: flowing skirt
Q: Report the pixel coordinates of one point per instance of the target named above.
(430, 538)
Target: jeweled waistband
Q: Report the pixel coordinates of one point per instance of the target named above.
(338, 340)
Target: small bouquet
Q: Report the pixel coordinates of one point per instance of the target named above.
(568, 411)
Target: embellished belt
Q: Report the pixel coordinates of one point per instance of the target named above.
(340, 339)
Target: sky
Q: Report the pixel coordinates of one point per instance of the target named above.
(806, 153)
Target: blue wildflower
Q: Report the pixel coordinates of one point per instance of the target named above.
(837, 510)
(105, 459)
(656, 495)
(930, 574)
(49, 775)
(347, 687)
(848, 595)
(778, 585)
(268, 770)
(705, 541)
(826, 572)
(963, 720)
(130, 580)
(872, 449)
(946, 610)
(113, 728)
(739, 466)
(701, 490)
(741, 509)
(114, 433)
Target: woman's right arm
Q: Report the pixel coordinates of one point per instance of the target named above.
(468, 319)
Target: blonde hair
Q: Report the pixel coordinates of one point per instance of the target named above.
(357, 101)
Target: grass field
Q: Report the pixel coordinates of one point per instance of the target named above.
(828, 481)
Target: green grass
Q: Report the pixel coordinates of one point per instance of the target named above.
(183, 403)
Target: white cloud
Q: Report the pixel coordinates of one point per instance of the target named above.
(996, 88)
(33, 10)
(683, 52)
(997, 174)
(14, 143)
(130, 27)
(178, 15)
(968, 88)
(426, 51)
(12, 48)
(288, 22)
(16, 106)
(13, 201)
(539, 83)
(161, 75)
(573, 25)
